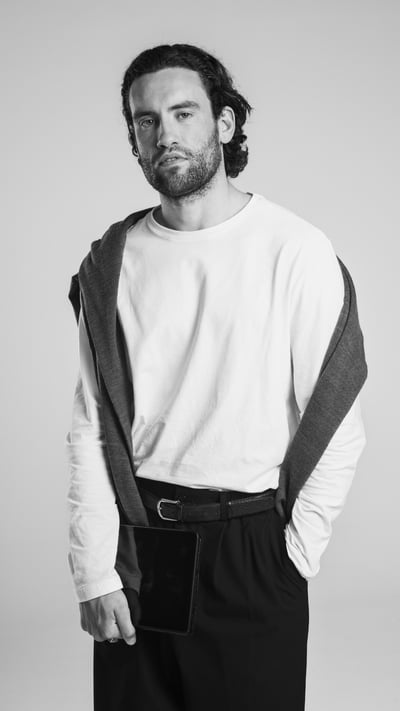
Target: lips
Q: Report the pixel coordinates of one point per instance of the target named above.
(171, 158)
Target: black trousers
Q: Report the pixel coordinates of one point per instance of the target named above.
(248, 647)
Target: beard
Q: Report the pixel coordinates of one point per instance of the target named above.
(195, 178)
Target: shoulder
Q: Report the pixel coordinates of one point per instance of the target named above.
(114, 236)
(111, 244)
(289, 231)
(304, 257)
(104, 256)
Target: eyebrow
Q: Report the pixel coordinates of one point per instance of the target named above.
(182, 105)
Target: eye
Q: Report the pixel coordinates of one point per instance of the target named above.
(184, 114)
(146, 123)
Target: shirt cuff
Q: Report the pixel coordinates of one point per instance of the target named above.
(102, 587)
(308, 568)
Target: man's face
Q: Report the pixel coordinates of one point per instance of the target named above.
(177, 136)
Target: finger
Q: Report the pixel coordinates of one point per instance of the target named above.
(104, 627)
(124, 623)
(111, 631)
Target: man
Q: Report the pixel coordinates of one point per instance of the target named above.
(205, 329)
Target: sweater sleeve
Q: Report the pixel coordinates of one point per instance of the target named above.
(93, 513)
(316, 300)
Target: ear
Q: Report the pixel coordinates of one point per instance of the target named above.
(226, 124)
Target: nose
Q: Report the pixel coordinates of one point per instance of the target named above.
(166, 136)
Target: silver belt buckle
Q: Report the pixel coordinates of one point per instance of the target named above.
(166, 501)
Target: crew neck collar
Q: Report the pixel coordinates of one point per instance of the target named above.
(213, 232)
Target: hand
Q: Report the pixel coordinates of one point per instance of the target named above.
(108, 617)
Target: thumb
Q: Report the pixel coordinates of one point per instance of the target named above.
(133, 604)
(124, 622)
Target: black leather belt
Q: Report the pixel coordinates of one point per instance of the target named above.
(226, 508)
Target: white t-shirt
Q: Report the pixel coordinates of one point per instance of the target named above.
(226, 329)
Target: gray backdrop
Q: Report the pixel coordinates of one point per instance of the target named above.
(324, 141)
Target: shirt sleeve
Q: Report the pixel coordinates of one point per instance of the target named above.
(93, 513)
(316, 300)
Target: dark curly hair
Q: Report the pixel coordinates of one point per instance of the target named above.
(217, 83)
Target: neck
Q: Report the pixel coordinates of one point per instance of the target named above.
(192, 212)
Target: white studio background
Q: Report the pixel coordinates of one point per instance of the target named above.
(322, 76)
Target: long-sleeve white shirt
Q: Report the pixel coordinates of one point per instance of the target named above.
(226, 329)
